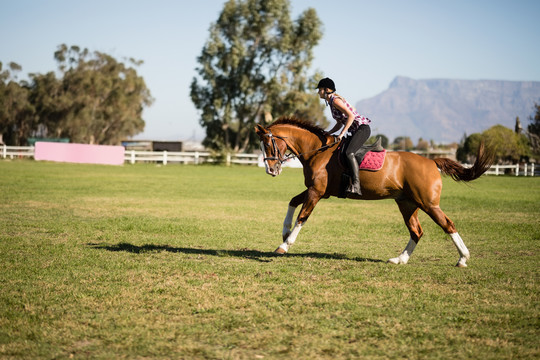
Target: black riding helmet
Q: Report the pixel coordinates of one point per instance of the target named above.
(327, 83)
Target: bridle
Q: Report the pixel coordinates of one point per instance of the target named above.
(284, 158)
(277, 153)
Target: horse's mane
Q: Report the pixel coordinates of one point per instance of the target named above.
(301, 123)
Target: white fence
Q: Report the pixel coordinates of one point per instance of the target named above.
(517, 170)
(16, 151)
(187, 157)
(200, 157)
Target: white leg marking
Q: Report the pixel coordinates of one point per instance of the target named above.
(405, 255)
(287, 223)
(292, 237)
(464, 254)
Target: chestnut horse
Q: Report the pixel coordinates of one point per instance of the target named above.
(413, 181)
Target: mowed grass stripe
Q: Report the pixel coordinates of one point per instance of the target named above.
(176, 262)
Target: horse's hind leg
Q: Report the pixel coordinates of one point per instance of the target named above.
(447, 225)
(409, 210)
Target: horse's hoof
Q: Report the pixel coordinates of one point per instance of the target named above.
(280, 251)
(396, 261)
(461, 265)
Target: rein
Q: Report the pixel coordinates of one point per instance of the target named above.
(283, 158)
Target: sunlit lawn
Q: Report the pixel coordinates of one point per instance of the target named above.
(146, 261)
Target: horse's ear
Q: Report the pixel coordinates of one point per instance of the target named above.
(260, 130)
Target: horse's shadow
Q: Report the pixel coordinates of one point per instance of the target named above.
(256, 255)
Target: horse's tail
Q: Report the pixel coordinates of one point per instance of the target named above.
(484, 160)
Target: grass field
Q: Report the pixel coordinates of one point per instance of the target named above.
(146, 261)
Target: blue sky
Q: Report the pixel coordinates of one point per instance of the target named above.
(365, 45)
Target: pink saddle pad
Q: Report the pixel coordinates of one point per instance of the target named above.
(373, 161)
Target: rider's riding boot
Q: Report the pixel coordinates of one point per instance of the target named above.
(354, 187)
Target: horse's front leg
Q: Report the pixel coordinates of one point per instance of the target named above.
(310, 198)
(293, 204)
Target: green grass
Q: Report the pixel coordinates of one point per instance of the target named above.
(143, 261)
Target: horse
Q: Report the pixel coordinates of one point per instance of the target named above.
(413, 181)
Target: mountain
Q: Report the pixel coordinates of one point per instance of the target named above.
(444, 110)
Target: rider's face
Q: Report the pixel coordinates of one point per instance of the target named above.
(321, 92)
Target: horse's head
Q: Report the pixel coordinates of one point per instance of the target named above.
(273, 148)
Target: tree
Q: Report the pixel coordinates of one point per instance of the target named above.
(52, 104)
(518, 128)
(97, 99)
(534, 130)
(403, 143)
(17, 116)
(469, 148)
(254, 67)
(506, 145)
(422, 144)
(534, 126)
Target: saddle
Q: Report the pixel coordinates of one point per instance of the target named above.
(370, 157)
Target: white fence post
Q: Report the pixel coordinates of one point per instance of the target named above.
(517, 169)
(4, 151)
(165, 157)
(132, 157)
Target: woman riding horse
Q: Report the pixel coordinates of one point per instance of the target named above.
(413, 181)
(353, 124)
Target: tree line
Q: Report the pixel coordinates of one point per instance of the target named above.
(93, 98)
(508, 145)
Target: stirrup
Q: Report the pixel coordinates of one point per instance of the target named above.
(354, 189)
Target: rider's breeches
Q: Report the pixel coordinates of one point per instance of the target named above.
(359, 138)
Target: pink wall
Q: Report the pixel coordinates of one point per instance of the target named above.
(79, 153)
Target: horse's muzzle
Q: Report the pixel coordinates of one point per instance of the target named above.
(273, 170)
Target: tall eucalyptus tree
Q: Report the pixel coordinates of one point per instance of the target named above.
(253, 68)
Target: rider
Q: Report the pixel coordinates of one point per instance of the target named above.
(353, 124)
